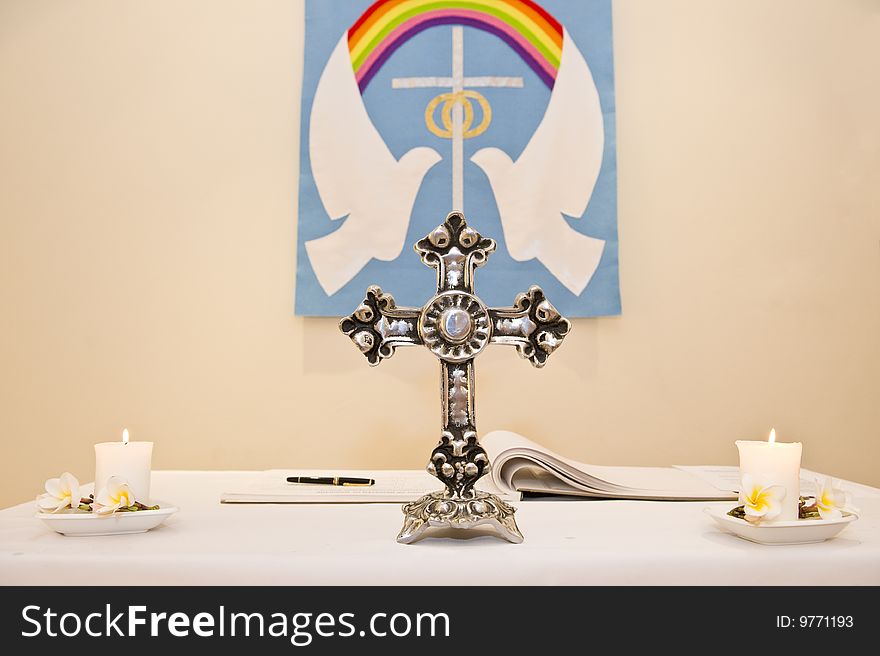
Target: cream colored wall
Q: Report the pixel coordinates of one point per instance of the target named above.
(148, 180)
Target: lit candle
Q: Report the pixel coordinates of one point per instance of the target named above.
(128, 460)
(774, 463)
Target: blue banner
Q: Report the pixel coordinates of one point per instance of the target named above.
(503, 109)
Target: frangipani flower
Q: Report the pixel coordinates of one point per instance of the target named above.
(115, 495)
(760, 502)
(831, 502)
(60, 493)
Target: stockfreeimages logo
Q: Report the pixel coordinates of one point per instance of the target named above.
(299, 628)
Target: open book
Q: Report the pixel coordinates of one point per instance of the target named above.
(520, 465)
(392, 486)
(519, 468)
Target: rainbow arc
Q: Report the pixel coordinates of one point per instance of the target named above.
(523, 25)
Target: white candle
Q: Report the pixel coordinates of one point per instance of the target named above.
(128, 460)
(774, 463)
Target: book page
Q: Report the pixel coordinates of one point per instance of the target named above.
(515, 458)
(392, 486)
(728, 477)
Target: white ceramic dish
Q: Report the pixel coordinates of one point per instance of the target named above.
(799, 531)
(120, 523)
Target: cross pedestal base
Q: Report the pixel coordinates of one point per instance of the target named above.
(443, 510)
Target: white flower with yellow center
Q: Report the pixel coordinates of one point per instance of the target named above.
(760, 502)
(115, 495)
(60, 493)
(831, 502)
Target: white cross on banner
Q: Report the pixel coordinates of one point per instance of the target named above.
(458, 83)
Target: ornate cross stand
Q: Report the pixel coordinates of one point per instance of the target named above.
(456, 326)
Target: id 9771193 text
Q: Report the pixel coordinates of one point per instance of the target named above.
(814, 621)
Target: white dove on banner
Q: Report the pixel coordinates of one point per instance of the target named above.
(554, 174)
(357, 177)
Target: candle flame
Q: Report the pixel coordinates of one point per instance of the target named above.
(125, 436)
(772, 437)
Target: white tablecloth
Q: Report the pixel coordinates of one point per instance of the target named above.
(567, 542)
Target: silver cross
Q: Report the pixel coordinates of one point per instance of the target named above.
(456, 326)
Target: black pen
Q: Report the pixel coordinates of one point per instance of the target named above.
(330, 480)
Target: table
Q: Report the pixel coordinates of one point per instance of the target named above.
(582, 542)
